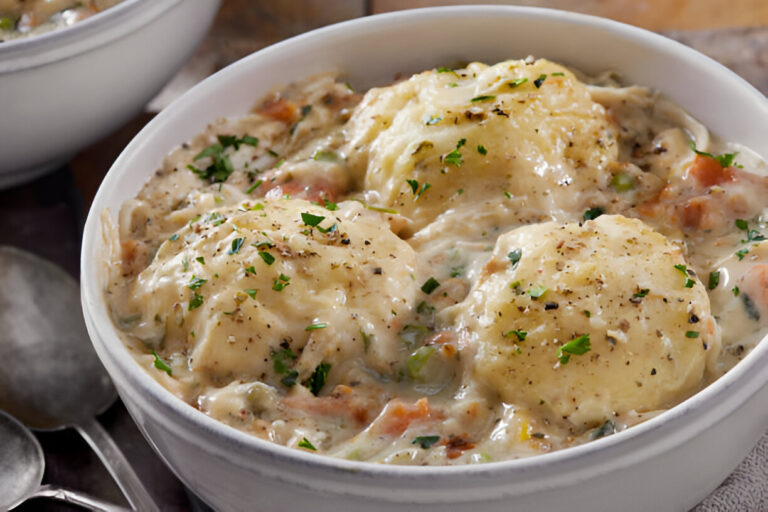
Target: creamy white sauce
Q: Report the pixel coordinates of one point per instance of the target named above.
(407, 276)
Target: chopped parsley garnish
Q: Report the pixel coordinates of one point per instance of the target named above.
(425, 442)
(457, 271)
(594, 213)
(316, 381)
(311, 220)
(279, 163)
(684, 270)
(281, 282)
(587, 313)
(519, 334)
(216, 219)
(714, 280)
(418, 190)
(304, 443)
(200, 260)
(641, 293)
(253, 187)
(540, 80)
(281, 362)
(195, 302)
(735, 291)
(577, 346)
(433, 120)
(251, 292)
(559, 73)
(273, 153)
(237, 243)
(741, 224)
(325, 155)
(536, 291)
(741, 253)
(485, 97)
(430, 285)
(196, 283)
(454, 157)
(725, 160)
(161, 365)
(444, 69)
(185, 264)
(515, 256)
(330, 205)
(221, 166)
(507, 194)
(517, 82)
(481, 149)
(691, 334)
(606, 429)
(250, 270)
(418, 360)
(314, 327)
(267, 257)
(174, 237)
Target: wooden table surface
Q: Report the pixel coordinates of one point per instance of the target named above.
(47, 215)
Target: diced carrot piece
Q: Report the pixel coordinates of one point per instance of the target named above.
(708, 172)
(279, 109)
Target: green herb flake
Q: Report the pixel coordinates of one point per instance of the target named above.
(725, 160)
(315, 327)
(425, 442)
(196, 283)
(267, 257)
(316, 381)
(517, 82)
(311, 220)
(7, 23)
(195, 302)
(594, 213)
(457, 271)
(418, 360)
(559, 73)
(485, 97)
(281, 282)
(735, 291)
(536, 291)
(520, 335)
(251, 292)
(741, 224)
(540, 80)
(279, 163)
(200, 260)
(162, 365)
(185, 264)
(433, 120)
(174, 237)
(237, 243)
(330, 205)
(577, 346)
(253, 187)
(587, 313)
(273, 153)
(714, 280)
(641, 293)
(250, 270)
(481, 149)
(454, 157)
(514, 256)
(304, 443)
(430, 285)
(741, 253)
(691, 334)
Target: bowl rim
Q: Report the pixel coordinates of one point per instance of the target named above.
(679, 423)
(61, 43)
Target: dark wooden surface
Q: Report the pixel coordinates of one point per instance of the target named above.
(46, 216)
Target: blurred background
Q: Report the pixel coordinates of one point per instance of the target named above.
(46, 215)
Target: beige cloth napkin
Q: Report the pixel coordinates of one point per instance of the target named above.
(746, 489)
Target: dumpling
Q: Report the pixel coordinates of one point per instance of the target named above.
(584, 321)
(527, 133)
(272, 290)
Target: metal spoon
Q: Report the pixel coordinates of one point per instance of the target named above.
(21, 471)
(50, 376)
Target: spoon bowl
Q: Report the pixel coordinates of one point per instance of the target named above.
(50, 377)
(21, 462)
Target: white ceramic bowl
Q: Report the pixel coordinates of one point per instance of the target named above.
(64, 89)
(668, 463)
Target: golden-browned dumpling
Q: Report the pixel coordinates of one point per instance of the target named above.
(272, 290)
(524, 132)
(585, 321)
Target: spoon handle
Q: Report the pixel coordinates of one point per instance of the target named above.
(117, 465)
(76, 498)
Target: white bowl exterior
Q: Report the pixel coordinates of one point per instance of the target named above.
(50, 110)
(669, 463)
